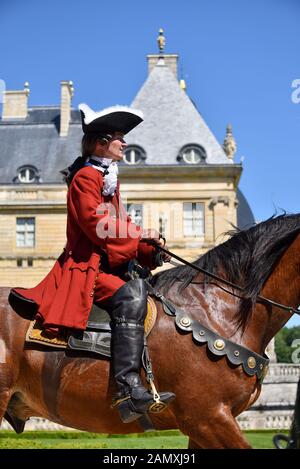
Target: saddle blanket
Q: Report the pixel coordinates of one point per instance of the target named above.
(96, 338)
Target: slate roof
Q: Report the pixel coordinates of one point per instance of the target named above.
(245, 217)
(36, 141)
(171, 121)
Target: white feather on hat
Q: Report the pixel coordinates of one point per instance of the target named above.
(114, 118)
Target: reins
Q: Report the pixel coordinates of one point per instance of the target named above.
(259, 298)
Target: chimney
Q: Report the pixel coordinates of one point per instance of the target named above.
(67, 92)
(15, 103)
(171, 60)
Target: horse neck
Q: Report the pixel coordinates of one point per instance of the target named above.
(283, 287)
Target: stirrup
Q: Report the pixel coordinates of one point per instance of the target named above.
(128, 412)
(157, 407)
(127, 415)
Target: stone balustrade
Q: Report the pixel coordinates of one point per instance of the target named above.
(284, 369)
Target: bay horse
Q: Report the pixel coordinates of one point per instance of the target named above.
(75, 390)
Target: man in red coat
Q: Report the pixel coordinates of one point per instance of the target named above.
(101, 240)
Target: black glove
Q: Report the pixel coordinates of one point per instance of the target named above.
(158, 259)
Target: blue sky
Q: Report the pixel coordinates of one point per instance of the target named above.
(239, 59)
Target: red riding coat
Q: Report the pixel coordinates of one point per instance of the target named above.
(96, 226)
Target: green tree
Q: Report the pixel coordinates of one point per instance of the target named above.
(283, 343)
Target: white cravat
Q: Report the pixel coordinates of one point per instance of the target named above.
(111, 178)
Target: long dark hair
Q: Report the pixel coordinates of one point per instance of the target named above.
(88, 144)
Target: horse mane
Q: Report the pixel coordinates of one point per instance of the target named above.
(247, 258)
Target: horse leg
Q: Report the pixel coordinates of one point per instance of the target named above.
(5, 381)
(213, 431)
(193, 444)
(225, 433)
(5, 396)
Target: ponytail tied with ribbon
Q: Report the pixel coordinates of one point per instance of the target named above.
(69, 172)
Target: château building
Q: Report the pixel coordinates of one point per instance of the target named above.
(176, 176)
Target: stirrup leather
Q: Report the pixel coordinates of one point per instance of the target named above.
(118, 401)
(157, 406)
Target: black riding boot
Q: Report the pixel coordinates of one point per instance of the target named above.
(128, 309)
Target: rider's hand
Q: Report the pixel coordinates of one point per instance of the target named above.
(165, 257)
(155, 236)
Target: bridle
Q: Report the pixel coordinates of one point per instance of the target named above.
(259, 298)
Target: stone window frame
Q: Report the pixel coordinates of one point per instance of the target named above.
(163, 223)
(26, 231)
(130, 206)
(27, 168)
(139, 150)
(194, 219)
(24, 262)
(192, 146)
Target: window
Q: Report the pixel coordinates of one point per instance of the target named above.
(25, 232)
(163, 224)
(27, 174)
(135, 211)
(134, 154)
(193, 219)
(25, 262)
(192, 154)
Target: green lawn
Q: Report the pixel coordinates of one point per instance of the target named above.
(171, 439)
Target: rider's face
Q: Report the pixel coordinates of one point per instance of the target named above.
(113, 149)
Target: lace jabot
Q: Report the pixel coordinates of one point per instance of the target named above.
(110, 170)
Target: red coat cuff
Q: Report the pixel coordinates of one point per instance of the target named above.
(146, 255)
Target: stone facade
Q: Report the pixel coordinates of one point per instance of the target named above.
(36, 144)
(47, 205)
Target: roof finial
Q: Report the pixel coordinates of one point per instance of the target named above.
(26, 88)
(71, 85)
(182, 84)
(229, 144)
(161, 41)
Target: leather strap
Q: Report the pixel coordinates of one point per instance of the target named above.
(252, 363)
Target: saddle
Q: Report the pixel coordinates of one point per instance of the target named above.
(95, 339)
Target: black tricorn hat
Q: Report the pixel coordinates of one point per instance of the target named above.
(112, 119)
